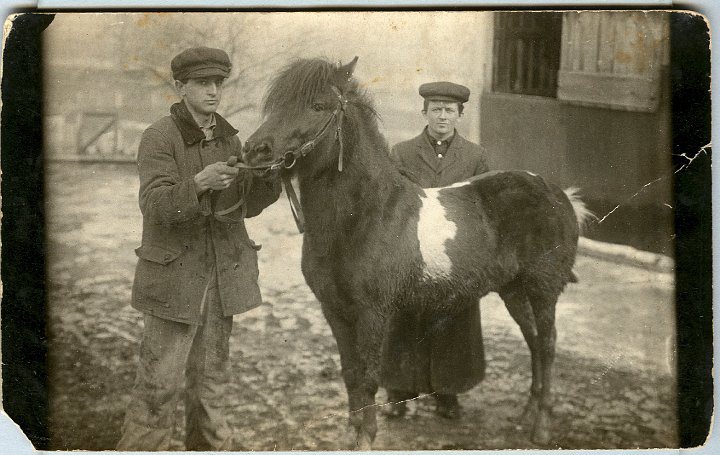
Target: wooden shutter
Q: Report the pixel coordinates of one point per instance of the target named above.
(614, 59)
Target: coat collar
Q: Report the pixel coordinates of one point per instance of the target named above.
(427, 152)
(189, 129)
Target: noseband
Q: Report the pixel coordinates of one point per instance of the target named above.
(289, 158)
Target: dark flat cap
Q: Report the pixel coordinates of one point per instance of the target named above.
(444, 91)
(200, 62)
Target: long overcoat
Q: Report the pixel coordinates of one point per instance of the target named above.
(183, 239)
(425, 353)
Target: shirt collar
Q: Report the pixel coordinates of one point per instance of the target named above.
(209, 129)
(434, 142)
(211, 123)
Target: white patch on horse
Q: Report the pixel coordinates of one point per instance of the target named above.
(434, 230)
(459, 184)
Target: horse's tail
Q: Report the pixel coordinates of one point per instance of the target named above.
(582, 214)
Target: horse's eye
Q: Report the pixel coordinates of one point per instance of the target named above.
(318, 107)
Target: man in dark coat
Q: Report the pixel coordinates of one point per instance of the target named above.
(197, 267)
(424, 354)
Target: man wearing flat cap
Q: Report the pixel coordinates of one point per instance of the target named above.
(424, 354)
(196, 267)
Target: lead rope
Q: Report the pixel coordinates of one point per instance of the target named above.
(222, 215)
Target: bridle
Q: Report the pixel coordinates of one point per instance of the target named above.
(290, 157)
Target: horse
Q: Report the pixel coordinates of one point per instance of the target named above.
(376, 243)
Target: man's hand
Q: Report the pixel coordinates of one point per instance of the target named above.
(216, 176)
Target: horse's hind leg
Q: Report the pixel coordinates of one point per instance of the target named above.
(533, 308)
(543, 305)
(361, 394)
(519, 307)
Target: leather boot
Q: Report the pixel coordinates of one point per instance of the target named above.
(448, 406)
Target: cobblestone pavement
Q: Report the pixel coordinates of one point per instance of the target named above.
(614, 369)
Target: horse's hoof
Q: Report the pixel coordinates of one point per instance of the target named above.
(525, 419)
(529, 414)
(363, 443)
(541, 436)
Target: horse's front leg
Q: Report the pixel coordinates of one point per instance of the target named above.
(355, 344)
(363, 416)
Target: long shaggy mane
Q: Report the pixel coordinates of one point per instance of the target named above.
(299, 84)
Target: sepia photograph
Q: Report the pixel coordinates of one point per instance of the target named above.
(363, 230)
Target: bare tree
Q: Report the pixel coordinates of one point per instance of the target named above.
(149, 42)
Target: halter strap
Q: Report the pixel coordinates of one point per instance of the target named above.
(295, 207)
(289, 158)
(338, 130)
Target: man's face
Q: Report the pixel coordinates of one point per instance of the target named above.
(202, 95)
(442, 116)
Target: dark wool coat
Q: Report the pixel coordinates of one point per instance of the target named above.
(182, 239)
(435, 353)
(417, 159)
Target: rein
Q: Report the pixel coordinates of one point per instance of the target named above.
(289, 158)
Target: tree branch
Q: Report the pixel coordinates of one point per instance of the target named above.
(240, 108)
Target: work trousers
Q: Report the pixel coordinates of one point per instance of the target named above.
(169, 349)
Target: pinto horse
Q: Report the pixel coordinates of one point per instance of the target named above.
(376, 243)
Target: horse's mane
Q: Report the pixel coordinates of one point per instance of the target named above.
(302, 81)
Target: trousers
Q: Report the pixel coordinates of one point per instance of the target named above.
(172, 354)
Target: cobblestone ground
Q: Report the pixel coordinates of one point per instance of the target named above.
(614, 368)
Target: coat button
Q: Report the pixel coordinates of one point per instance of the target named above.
(235, 266)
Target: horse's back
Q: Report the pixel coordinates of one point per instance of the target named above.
(528, 213)
(519, 192)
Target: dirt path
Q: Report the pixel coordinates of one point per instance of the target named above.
(614, 368)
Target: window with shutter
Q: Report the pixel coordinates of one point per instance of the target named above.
(527, 53)
(614, 59)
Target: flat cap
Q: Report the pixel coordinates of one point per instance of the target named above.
(200, 62)
(444, 91)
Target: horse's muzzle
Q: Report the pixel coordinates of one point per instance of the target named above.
(253, 153)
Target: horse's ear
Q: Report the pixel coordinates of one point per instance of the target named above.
(345, 72)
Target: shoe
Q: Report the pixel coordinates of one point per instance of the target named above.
(397, 406)
(447, 406)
